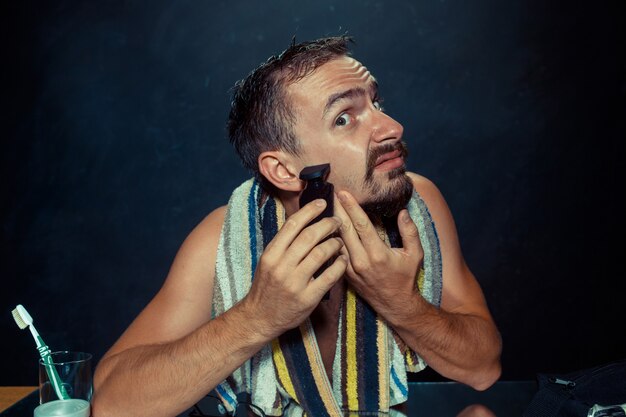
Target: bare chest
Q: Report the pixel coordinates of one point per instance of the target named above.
(325, 321)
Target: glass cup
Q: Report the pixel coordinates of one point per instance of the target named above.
(71, 396)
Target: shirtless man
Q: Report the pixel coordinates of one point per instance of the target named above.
(312, 104)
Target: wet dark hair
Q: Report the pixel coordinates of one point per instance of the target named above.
(261, 118)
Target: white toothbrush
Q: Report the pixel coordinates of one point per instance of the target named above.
(24, 320)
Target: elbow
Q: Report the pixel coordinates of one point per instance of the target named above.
(100, 407)
(486, 378)
(491, 371)
(100, 375)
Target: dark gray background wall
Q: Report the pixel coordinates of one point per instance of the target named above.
(114, 147)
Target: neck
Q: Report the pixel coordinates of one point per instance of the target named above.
(289, 200)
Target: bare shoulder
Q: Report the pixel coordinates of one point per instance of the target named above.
(461, 291)
(419, 180)
(431, 196)
(184, 301)
(200, 244)
(190, 279)
(441, 215)
(194, 265)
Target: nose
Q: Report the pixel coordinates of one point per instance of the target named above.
(385, 128)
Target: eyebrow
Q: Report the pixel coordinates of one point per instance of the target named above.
(349, 94)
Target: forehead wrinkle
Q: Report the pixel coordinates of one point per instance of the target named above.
(347, 67)
(347, 75)
(337, 77)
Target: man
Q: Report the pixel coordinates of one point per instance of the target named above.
(269, 326)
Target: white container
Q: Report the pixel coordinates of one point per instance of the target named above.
(63, 408)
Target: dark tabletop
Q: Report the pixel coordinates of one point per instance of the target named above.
(426, 399)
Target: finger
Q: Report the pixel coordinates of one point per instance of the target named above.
(310, 237)
(409, 233)
(348, 232)
(319, 255)
(349, 269)
(294, 225)
(355, 279)
(361, 223)
(329, 277)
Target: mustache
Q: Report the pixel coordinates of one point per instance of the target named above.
(375, 153)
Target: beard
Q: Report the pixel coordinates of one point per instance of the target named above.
(387, 199)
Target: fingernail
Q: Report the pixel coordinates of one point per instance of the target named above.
(342, 196)
(405, 216)
(320, 202)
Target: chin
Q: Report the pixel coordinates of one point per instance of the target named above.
(388, 200)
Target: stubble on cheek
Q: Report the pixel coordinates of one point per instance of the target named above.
(386, 197)
(383, 194)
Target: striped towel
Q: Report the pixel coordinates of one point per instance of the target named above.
(287, 376)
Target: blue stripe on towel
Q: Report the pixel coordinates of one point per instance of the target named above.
(398, 383)
(227, 397)
(369, 391)
(252, 226)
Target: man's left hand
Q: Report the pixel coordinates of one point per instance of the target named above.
(385, 277)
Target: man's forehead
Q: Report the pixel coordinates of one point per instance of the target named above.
(347, 67)
(334, 76)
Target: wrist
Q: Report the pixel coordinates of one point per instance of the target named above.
(407, 311)
(256, 321)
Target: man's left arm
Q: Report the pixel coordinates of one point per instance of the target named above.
(459, 340)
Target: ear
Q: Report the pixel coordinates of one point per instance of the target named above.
(279, 169)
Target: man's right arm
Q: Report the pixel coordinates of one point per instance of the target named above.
(173, 354)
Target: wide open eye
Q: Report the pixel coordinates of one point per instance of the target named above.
(344, 119)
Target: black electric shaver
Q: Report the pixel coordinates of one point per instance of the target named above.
(317, 187)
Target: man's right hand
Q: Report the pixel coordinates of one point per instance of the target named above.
(284, 292)
(173, 339)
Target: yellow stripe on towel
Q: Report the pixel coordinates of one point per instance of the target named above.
(351, 363)
(383, 364)
(420, 279)
(281, 369)
(317, 368)
(280, 216)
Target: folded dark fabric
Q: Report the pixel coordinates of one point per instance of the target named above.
(573, 394)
